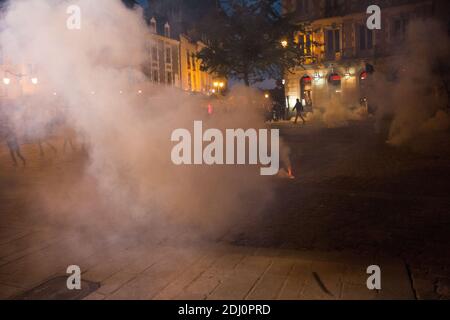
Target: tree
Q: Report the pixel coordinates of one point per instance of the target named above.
(250, 40)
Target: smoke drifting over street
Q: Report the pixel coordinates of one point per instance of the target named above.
(417, 100)
(130, 181)
(335, 113)
(409, 93)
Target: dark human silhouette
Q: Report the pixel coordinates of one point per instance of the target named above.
(14, 147)
(299, 108)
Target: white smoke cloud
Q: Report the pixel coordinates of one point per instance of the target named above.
(335, 113)
(415, 102)
(130, 181)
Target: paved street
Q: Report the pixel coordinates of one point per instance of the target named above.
(355, 202)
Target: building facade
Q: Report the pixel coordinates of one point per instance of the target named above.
(171, 61)
(163, 49)
(340, 51)
(173, 58)
(192, 77)
(17, 80)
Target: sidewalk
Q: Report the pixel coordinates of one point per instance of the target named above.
(168, 271)
(367, 198)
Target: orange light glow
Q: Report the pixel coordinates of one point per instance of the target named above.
(290, 175)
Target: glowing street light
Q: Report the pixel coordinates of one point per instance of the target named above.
(6, 81)
(34, 81)
(266, 96)
(218, 85)
(284, 43)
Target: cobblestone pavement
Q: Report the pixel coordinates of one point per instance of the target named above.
(355, 202)
(354, 192)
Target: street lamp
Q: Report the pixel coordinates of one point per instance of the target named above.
(34, 81)
(266, 96)
(218, 85)
(284, 43)
(6, 81)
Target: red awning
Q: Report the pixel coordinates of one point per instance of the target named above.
(335, 77)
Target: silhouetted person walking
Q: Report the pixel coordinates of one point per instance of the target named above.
(14, 147)
(299, 108)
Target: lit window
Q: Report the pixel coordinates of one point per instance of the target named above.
(189, 81)
(305, 42)
(193, 63)
(188, 59)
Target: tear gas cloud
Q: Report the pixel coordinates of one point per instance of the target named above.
(336, 113)
(129, 182)
(416, 102)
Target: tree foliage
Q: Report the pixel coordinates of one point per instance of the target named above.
(245, 41)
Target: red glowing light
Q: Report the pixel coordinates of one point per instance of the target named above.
(210, 109)
(335, 77)
(363, 75)
(306, 79)
(290, 174)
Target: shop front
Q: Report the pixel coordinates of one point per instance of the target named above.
(306, 93)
